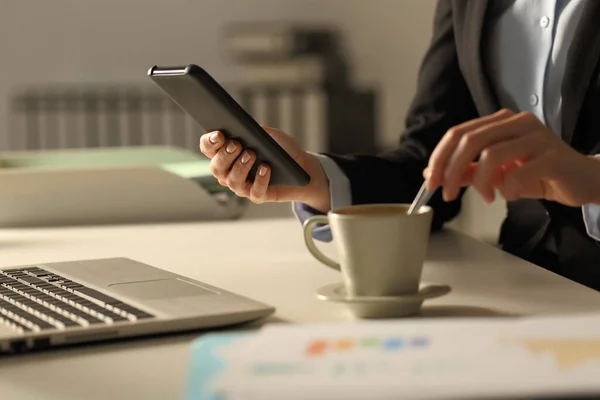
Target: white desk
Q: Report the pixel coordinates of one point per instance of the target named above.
(264, 259)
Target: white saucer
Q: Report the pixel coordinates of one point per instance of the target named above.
(382, 307)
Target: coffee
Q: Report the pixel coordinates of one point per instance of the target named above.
(373, 210)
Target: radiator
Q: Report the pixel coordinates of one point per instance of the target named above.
(99, 116)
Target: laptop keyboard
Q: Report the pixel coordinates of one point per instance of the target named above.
(33, 300)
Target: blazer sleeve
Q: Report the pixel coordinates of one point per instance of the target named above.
(442, 100)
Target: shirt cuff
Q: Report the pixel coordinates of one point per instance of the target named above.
(339, 184)
(591, 219)
(303, 212)
(340, 196)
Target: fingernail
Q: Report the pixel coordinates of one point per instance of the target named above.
(230, 147)
(245, 157)
(262, 171)
(214, 137)
(445, 195)
(451, 195)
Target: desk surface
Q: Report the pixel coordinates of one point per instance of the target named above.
(260, 258)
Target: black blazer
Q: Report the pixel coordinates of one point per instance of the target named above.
(453, 87)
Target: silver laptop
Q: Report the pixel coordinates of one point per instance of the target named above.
(64, 303)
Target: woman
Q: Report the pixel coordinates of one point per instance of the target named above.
(512, 85)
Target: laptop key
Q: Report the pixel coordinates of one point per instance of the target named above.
(28, 316)
(38, 272)
(34, 305)
(106, 313)
(143, 315)
(53, 314)
(103, 298)
(69, 323)
(14, 272)
(13, 323)
(31, 279)
(91, 320)
(62, 297)
(134, 311)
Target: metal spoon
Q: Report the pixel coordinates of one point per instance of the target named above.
(421, 199)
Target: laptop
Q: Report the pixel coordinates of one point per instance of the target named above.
(63, 303)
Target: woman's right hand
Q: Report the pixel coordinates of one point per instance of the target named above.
(230, 164)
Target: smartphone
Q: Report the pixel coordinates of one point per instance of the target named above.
(209, 104)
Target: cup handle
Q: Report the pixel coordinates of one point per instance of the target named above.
(310, 242)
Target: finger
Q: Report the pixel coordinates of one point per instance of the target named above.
(211, 142)
(495, 157)
(258, 191)
(222, 161)
(474, 142)
(237, 179)
(527, 181)
(442, 152)
(467, 178)
(503, 172)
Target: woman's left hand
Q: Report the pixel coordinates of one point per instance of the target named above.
(519, 156)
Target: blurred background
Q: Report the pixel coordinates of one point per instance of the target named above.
(338, 75)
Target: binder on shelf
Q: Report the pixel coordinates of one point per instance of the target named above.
(306, 79)
(307, 71)
(249, 41)
(110, 185)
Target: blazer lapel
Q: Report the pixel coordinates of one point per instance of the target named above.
(473, 32)
(582, 59)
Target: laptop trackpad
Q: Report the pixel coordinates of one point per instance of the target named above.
(159, 289)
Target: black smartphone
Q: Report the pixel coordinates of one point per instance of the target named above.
(209, 104)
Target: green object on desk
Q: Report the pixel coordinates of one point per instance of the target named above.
(100, 157)
(197, 171)
(189, 169)
(181, 162)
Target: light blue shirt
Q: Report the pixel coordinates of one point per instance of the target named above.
(528, 50)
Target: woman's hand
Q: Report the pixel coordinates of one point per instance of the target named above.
(230, 164)
(519, 156)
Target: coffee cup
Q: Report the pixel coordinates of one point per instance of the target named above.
(380, 246)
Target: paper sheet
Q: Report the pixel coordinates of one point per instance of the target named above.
(418, 359)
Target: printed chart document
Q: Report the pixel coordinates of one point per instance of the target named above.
(417, 359)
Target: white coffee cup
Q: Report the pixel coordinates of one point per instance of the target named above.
(381, 248)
